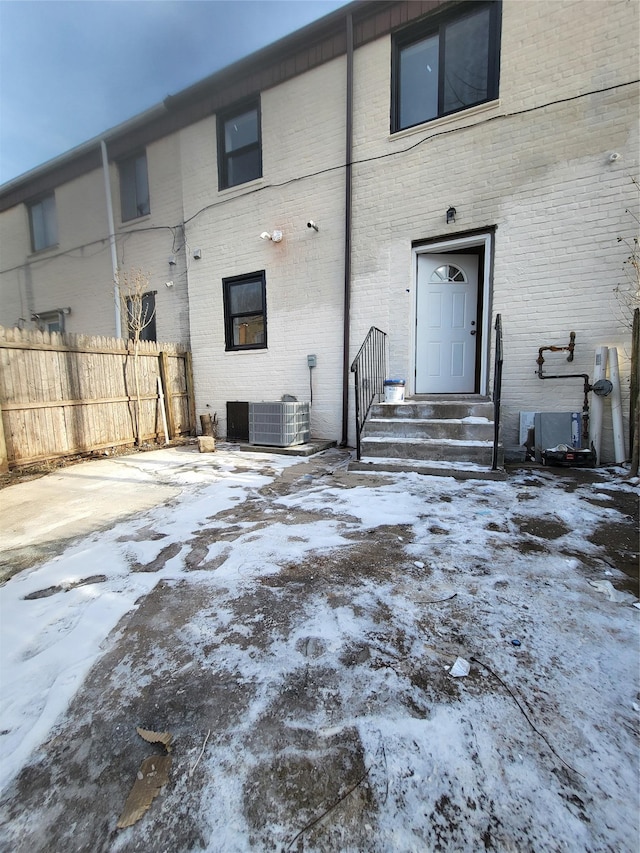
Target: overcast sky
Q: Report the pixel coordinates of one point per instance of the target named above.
(70, 69)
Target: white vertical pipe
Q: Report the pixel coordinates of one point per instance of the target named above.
(112, 237)
(616, 408)
(597, 403)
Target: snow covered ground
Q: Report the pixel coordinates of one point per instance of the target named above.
(304, 621)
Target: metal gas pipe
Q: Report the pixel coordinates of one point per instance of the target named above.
(602, 387)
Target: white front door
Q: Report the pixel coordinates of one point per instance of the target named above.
(446, 324)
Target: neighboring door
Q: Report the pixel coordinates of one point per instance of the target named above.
(446, 324)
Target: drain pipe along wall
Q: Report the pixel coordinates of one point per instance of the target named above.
(347, 236)
(112, 238)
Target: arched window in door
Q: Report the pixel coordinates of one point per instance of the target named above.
(448, 272)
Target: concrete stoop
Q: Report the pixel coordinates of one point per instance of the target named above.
(438, 435)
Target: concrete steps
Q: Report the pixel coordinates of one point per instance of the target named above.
(435, 433)
(446, 429)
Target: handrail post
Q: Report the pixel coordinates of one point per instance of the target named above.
(369, 367)
(497, 391)
(357, 396)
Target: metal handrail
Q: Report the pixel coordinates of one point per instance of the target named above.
(497, 391)
(370, 369)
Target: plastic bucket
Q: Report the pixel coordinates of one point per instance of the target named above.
(394, 390)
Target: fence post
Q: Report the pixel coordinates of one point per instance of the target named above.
(191, 392)
(168, 400)
(4, 461)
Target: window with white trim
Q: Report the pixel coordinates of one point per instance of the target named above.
(448, 272)
(51, 321)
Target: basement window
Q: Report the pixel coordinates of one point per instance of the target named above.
(245, 312)
(51, 321)
(445, 64)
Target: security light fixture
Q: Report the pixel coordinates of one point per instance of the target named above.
(451, 215)
(275, 237)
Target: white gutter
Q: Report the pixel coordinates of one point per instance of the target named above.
(112, 238)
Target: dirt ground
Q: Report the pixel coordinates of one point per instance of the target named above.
(278, 705)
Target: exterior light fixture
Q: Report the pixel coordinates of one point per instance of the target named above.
(451, 215)
(275, 236)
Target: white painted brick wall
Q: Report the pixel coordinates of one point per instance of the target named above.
(65, 275)
(543, 178)
(302, 132)
(78, 273)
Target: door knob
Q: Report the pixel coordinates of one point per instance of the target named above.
(472, 332)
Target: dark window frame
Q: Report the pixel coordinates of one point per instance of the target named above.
(436, 24)
(227, 285)
(124, 179)
(223, 155)
(149, 332)
(51, 238)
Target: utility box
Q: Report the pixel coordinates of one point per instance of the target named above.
(558, 439)
(555, 428)
(280, 424)
(237, 421)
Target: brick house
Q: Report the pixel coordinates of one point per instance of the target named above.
(457, 160)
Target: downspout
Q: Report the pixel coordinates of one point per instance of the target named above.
(347, 235)
(112, 237)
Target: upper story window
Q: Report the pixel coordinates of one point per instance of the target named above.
(239, 145)
(245, 311)
(446, 64)
(134, 187)
(43, 223)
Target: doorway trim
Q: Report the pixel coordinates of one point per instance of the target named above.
(438, 246)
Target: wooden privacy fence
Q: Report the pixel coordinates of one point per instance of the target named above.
(62, 394)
